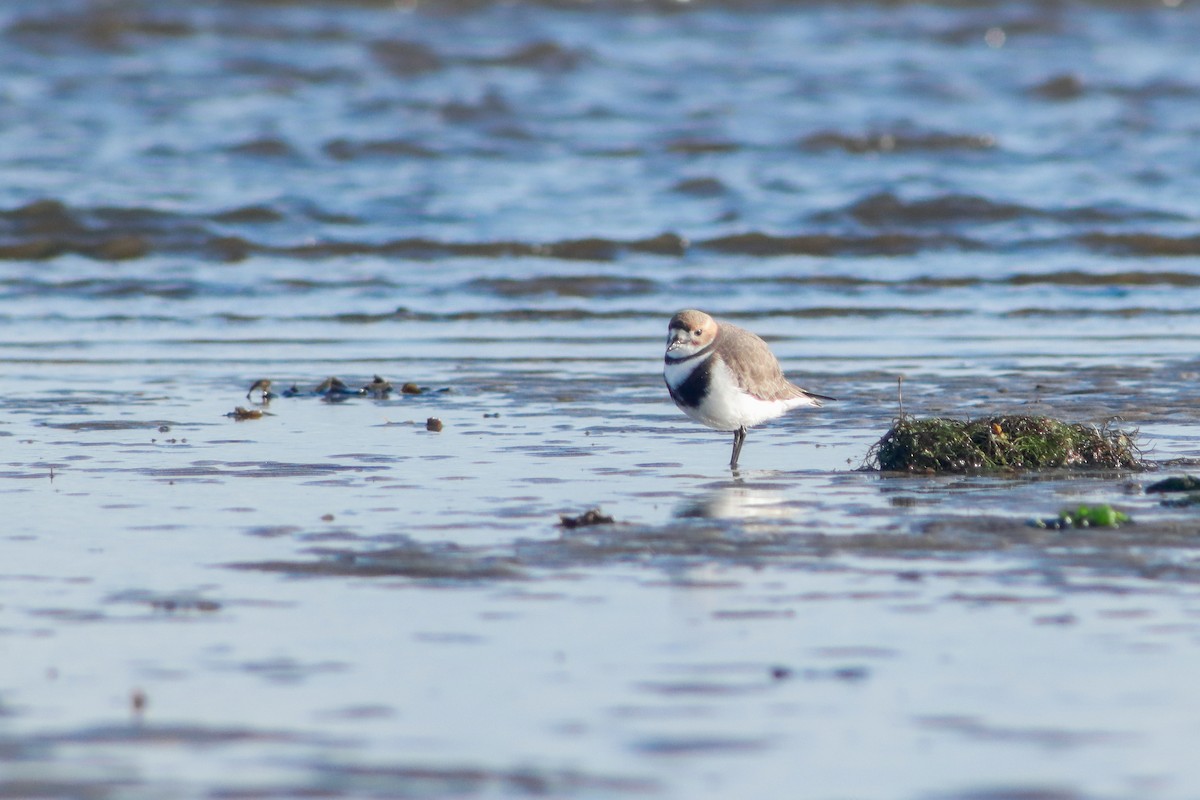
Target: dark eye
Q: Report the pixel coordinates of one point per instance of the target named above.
(697, 332)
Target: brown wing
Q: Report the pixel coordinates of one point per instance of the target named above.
(757, 370)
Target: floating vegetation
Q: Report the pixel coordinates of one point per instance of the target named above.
(1001, 443)
(1101, 516)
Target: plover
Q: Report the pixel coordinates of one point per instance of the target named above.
(726, 377)
(262, 385)
(378, 388)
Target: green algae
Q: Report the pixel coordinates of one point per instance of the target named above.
(1015, 442)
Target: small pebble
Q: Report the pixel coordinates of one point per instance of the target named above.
(433, 424)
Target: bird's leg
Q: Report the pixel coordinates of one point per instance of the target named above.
(739, 436)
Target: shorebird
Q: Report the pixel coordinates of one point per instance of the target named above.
(726, 377)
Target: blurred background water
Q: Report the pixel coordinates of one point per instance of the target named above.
(503, 203)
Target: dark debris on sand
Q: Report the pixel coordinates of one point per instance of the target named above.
(590, 517)
(1015, 442)
(1183, 483)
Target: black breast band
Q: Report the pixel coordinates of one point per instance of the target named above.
(692, 391)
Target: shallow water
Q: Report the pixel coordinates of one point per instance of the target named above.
(503, 203)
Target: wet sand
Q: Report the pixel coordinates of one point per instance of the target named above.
(333, 599)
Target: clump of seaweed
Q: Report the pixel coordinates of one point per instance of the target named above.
(1001, 443)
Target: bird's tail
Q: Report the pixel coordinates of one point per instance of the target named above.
(814, 398)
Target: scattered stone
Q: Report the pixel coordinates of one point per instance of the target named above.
(242, 414)
(411, 388)
(433, 424)
(590, 517)
(1186, 501)
(1184, 483)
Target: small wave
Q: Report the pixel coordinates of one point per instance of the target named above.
(700, 187)
(104, 27)
(266, 147)
(583, 314)
(277, 71)
(1125, 278)
(104, 248)
(998, 31)
(544, 55)
(899, 141)
(589, 249)
(1142, 244)
(119, 288)
(1086, 313)
(701, 146)
(820, 244)
(885, 208)
(933, 283)
(47, 229)
(1060, 87)
(491, 105)
(405, 58)
(409, 58)
(566, 286)
(248, 215)
(353, 150)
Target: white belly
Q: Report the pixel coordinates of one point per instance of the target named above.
(726, 407)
